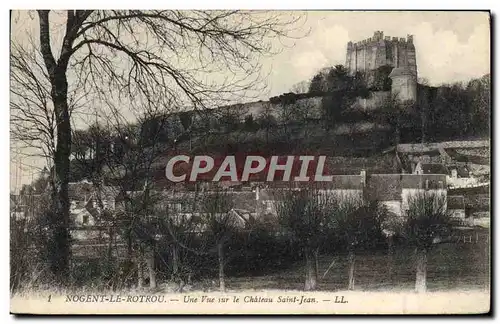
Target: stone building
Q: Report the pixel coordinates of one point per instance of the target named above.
(396, 190)
(399, 53)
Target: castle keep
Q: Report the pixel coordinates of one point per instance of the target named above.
(399, 53)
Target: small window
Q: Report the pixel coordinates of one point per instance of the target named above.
(85, 219)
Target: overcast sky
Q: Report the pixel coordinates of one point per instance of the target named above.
(450, 47)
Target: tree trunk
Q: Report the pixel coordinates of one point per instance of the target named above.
(397, 135)
(110, 245)
(140, 273)
(129, 245)
(351, 259)
(150, 260)
(220, 251)
(60, 250)
(59, 226)
(311, 278)
(175, 260)
(421, 265)
(316, 262)
(423, 126)
(390, 255)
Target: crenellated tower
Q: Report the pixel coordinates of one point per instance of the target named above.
(399, 53)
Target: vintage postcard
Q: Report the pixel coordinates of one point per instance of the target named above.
(250, 162)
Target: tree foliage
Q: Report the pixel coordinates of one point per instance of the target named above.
(427, 222)
(426, 219)
(303, 216)
(456, 111)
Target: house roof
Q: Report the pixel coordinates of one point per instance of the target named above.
(80, 190)
(109, 193)
(346, 182)
(21, 202)
(339, 182)
(244, 200)
(419, 181)
(268, 194)
(338, 165)
(470, 158)
(84, 190)
(434, 168)
(244, 215)
(384, 187)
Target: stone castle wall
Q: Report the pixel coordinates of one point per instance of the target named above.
(299, 111)
(373, 102)
(307, 108)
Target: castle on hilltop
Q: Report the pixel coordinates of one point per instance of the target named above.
(399, 53)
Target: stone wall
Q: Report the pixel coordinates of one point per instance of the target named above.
(309, 108)
(373, 102)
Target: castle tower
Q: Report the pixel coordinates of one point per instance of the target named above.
(377, 51)
(404, 84)
(380, 50)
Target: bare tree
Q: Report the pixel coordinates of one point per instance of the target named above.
(427, 223)
(138, 56)
(123, 153)
(357, 224)
(392, 224)
(216, 214)
(302, 214)
(132, 167)
(28, 240)
(32, 117)
(266, 120)
(178, 227)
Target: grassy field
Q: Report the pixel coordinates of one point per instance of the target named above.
(458, 282)
(450, 266)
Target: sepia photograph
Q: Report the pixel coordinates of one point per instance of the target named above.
(250, 162)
